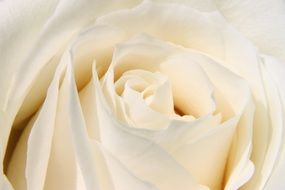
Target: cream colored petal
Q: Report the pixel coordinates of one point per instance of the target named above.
(185, 26)
(135, 54)
(232, 90)
(17, 164)
(259, 20)
(62, 167)
(154, 89)
(121, 176)
(136, 152)
(267, 135)
(276, 113)
(88, 106)
(208, 155)
(111, 173)
(138, 96)
(71, 147)
(41, 135)
(48, 38)
(275, 166)
(181, 132)
(96, 43)
(141, 51)
(236, 93)
(141, 114)
(192, 90)
(33, 147)
(18, 35)
(114, 101)
(80, 139)
(57, 32)
(162, 98)
(183, 139)
(235, 90)
(209, 33)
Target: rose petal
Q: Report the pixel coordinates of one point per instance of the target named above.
(209, 33)
(230, 87)
(35, 150)
(17, 34)
(192, 90)
(259, 20)
(121, 176)
(128, 148)
(153, 88)
(211, 150)
(48, 38)
(62, 151)
(111, 171)
(57, 32)
(235, 91)
(40, 138)
(17, 164)
(274, 73)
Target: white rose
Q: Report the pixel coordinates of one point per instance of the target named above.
(142, 95)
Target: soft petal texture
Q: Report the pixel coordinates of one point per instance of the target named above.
(37, 151)
(189, 96)
(276, 71)
(38, 45)
(122, 178)
(40, 138)
(127, 56)
(17, 33)
(223, 81)
(203, 30)
(276, 124)
(17, 164)
(57, 32)
(140, 112)
(128, 147)
(207, 32)
(112, 174)
(261, 21)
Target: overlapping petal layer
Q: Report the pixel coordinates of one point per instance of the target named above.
(157, 104)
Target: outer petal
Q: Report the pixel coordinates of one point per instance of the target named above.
(40, 138)
(28, 166)
(261, 21)
(276, 71)
(25, 77)
(18, 35)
